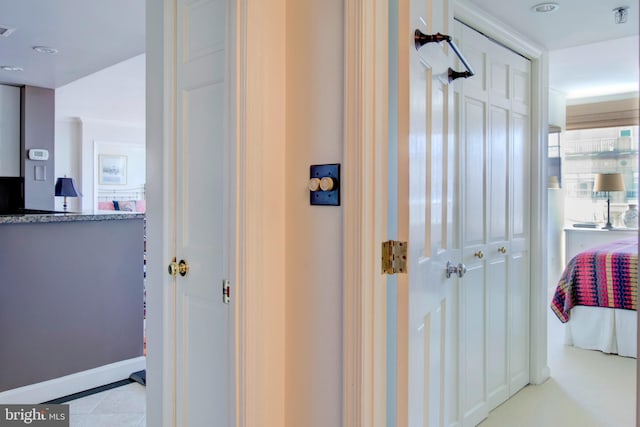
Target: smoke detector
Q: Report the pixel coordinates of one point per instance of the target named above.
(45, 49)
(11, 68)
(545, 7)
(6, 31)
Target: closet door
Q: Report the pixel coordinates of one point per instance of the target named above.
(520, 214)
(473, 110)
(498, 219)
(494, 317)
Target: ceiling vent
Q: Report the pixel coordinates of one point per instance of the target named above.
(6, 31)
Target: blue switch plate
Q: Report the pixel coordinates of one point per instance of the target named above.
(326, 198)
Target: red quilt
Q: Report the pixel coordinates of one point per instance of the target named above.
(604, 276)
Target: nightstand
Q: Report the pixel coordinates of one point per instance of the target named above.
(579, 239)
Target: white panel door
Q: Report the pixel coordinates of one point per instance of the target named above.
(432, 238)
(497, 214)
(520, 213)
(494, 301)
(204, 167)
(473, 136)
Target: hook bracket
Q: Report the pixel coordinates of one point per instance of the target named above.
(420, 39)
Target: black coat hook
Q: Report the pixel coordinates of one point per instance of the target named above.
(420, 39)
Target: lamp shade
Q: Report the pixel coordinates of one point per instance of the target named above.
(67, 187)
(608, 182)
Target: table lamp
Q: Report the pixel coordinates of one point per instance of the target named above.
(608, 182)
(66, 187)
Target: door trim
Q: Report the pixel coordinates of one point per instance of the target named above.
(260, 222)
(486, 24)
(160, 331)
(365, 195)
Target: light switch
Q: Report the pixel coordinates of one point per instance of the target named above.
(40, 173)
(327, 183)
(314, 184)
(324, 184)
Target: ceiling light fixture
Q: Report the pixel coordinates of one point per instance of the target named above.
(6, 31)
(545, 7)
(10, 68)
(620, 14)
(45, 49)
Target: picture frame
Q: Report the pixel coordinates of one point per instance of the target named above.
(112, 169)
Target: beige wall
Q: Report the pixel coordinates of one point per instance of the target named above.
(314, 289)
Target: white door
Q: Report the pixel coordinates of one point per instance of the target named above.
(203, 211)
(431, 221)
(494, 314)
(472, 109)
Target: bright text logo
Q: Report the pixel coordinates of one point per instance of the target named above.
(34, 415)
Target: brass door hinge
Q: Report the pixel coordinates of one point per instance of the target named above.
(394, 257)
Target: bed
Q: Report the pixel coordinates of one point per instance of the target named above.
(596, 297)
(126, 199)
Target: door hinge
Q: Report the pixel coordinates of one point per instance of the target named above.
(226, 292)
(394, 257)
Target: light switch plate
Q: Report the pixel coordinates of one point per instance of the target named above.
(40, 173)
(326, 198)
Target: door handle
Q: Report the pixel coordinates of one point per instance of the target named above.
(459, 269)
(176, 268)
(462, 270)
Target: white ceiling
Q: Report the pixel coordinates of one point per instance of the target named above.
(587, 49)
(89, 34)
(590, 55)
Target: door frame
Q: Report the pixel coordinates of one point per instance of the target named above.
(366, 124)
(365, 212)
(257, 290)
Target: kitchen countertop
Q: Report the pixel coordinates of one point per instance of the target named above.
(28, 218)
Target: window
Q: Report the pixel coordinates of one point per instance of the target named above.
(588, 152)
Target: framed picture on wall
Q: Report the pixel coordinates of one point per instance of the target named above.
(112, 169)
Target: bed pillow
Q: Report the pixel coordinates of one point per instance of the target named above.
(106, 206)
(127, 206)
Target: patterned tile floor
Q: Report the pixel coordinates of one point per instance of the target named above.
(122, 406)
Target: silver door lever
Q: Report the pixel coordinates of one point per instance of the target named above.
(459, 269)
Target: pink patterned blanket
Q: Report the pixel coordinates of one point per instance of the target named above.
(604, 276)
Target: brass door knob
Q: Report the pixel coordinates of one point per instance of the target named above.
(183, 267)
(479, 255)
(173, 268)
(176, 268)
(502, 250)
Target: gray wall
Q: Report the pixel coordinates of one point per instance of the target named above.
(38, 131)
(71, 297)
(9, 130)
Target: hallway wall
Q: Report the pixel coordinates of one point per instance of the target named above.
(314, 236)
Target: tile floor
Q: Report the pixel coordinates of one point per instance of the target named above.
(123, 406)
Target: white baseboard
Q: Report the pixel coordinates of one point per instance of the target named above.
(74, 383)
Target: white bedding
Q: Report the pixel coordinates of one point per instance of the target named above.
(606, 329)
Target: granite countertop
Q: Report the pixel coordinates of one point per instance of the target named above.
(27, 218)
